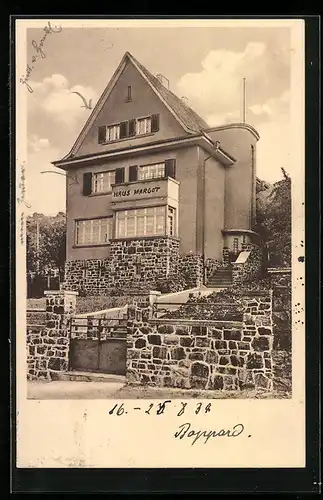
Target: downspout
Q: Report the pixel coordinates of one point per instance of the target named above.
(217, 145)
(253, 189)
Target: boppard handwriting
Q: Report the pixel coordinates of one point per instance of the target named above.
(39, 53)
(185, 431)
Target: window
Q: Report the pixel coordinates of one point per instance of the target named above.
(155, 171)
(129, 94)
(171, 221)
(103, 181)
(129, 128)
(93, 231)
(235, 245)
(141, 222)
(113, 133)
(143, 126)
(160, 170)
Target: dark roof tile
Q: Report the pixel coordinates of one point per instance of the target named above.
(187, 115)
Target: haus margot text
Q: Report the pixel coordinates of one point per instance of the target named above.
(158, 191)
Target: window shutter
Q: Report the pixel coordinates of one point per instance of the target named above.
(87, 184)
(119, 175)
(155, 123)
(102, 134)
(170, 168)
(133, 173)
(123, 130)
(132, 128)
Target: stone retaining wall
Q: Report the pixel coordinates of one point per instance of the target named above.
(201, 354)
(204, 354)
(91, 275)
(191, 267)
(249, 270)
(156, 257)
(134, 264)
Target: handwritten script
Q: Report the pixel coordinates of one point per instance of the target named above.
(21, 200)
(186, 431)
(39, 53)
(159, 408)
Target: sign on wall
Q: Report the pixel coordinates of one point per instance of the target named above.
(124, 193)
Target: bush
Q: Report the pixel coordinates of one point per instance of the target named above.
(171, 284)
(207, 308)
(237, 292)
(225, 305)
(81, 292)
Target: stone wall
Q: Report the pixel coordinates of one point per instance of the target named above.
(157, 257)
(48, 347)
(204, 354)
(191, 268)
(282, 307)
(249, 270)
(280, 276)
(134, 264)
(91, 275)
(200, 354)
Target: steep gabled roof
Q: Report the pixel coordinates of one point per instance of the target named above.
(187, 115)
(190, 121)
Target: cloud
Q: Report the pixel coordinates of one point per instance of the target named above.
(36, 143)
(216, 91)
(54, 96)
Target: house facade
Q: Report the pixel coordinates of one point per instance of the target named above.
(152, 190)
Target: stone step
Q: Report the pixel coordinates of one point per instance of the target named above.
(222, 275)
(219, 285)
(225, 282)
(79, 376)
(222, 287)
(220, 278)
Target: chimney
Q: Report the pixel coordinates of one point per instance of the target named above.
(163, 80)
(184, 100)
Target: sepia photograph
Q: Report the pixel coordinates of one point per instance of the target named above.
(159, 229)
(160, 240)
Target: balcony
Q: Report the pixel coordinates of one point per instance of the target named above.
(143, 193)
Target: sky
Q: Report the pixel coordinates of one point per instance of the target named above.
(207, 65)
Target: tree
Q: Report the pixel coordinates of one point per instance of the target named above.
(274, 221)
(46, 246)
(279, 222)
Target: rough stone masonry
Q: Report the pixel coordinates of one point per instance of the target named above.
(205, 354)
(200, 354)
(134, 263)
(48, 346)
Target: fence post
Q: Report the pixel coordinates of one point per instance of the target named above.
(48, 349)
(153, 296)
